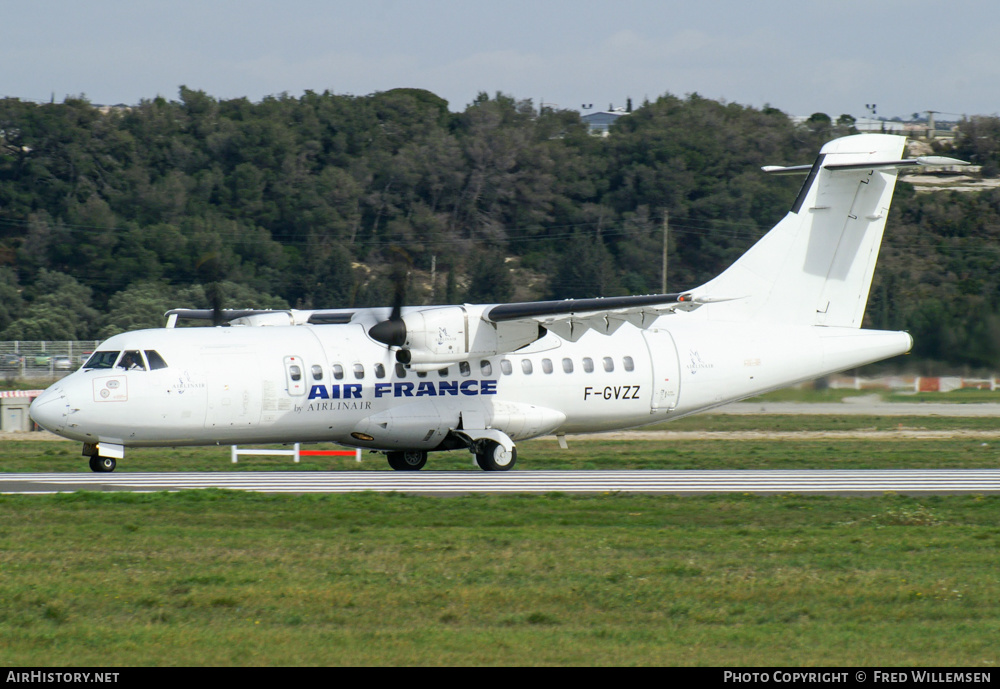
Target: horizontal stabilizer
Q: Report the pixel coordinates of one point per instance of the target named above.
(924, 161)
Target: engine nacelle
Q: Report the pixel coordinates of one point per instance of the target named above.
(437, 337)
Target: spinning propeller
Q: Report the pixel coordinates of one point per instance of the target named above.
(392, 332)
(209, 269)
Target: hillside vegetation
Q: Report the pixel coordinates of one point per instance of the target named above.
(109, 218)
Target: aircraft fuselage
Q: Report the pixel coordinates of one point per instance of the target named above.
(333, 383)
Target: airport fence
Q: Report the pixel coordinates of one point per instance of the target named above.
(913, 383)
(43, 358)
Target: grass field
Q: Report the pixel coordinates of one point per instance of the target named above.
(213, 578)
(224, 578)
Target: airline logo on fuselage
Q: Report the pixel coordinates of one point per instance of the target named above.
(423, 388)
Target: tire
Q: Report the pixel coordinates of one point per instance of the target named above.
(408, 460)
(102, 464)
(492, 457)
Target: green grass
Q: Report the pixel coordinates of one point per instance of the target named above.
(963, 396)
(809, 395)
(215, 578)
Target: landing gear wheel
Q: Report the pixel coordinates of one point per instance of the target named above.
(409, 460)
(102, 464)
(492, 457)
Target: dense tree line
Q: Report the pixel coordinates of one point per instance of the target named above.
(110, 217)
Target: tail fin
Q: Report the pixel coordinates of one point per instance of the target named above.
(815, 266)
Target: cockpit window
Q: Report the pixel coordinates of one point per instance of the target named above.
(131, 361)
(102, 360)
(155, 360)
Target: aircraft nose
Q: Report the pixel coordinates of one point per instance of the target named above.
(50, 409)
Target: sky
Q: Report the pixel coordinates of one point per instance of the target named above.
(800, 56)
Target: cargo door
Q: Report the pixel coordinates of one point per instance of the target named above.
(666, 369)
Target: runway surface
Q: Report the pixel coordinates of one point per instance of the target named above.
(864, 482)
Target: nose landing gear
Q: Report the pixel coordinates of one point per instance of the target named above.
(103, 456)
(102, 464)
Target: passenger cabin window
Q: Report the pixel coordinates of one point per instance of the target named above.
(338, 372)
(628, 363)
(486, 368)
(155, 360)
(294, 372)
(464, 368)
(506, 367)
(567, 365)
(317, 372)
(102, 360)
(588, 364)
(609, 364)
(359, 371)
(379, 370)
(400, 371)
(131, 361)
(526, 366)
(547, 365)
(443, 372)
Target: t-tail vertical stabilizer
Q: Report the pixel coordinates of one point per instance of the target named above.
(815, 267)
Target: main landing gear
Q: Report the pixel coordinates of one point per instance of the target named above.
(491, 456)
(408, 460)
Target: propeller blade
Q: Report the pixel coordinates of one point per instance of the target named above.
(210, 271)
(392, 332)
(215, 296)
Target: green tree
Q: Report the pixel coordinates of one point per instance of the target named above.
(59, 310)
(585, 269)
(11, 302)
(490, 280)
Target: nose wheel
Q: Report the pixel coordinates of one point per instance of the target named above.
(102, 464)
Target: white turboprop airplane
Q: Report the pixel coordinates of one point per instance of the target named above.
(409, 381)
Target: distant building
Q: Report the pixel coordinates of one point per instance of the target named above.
(870, 125)
(599, 123)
